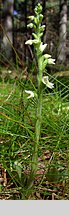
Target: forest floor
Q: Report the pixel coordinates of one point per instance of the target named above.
(52, 185)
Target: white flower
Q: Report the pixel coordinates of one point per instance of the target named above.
(31, 17)
(42, 47)
(47, 83)
(9, 71)
(30, 42)
(47, 56)
(51, 61)
(30, 25)
(31, 94)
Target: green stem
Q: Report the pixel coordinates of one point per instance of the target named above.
(37, 128)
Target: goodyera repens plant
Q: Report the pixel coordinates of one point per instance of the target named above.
(42, 61)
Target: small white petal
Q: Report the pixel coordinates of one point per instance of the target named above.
(30, 42)
(31, 17)
(9, 71)
(42, 47)
(34, 41)
(30, 25)
(47, 83)
(31, 94)
(51, 61)
(47, 56)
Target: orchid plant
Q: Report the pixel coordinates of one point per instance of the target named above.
(42, 61)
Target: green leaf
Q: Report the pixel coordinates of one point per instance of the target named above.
(35, 35)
